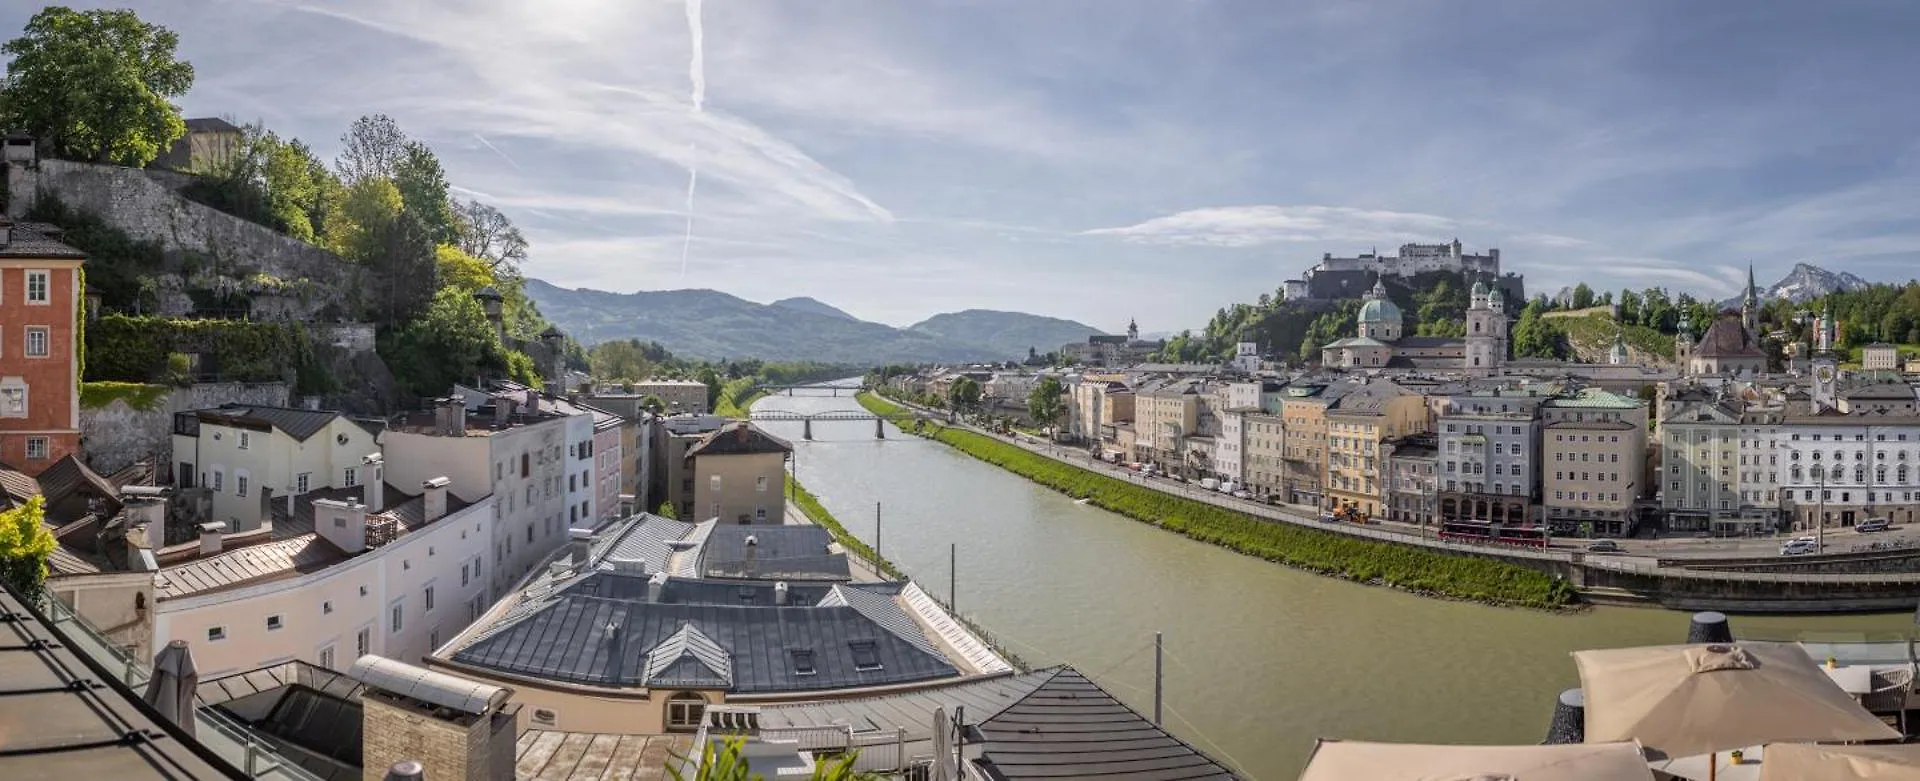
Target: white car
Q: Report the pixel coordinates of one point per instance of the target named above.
(1799, 547)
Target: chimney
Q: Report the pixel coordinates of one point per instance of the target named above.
(435, 491)
(753, 554)
(502, 411)
(656, 587)
(342, 523)
(780, 593)
(533, 402)
(452, 417)
(374, 492)
(581, 542)
(616, 651)
(210, 537)
(151, 512)
(432, 725)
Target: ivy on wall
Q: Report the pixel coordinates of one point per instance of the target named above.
(131, 348)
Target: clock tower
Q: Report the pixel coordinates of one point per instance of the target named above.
(1824, 365)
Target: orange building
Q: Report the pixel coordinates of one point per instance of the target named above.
(40, 299)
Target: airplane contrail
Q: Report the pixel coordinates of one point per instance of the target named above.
(697, 74)
(496, 150)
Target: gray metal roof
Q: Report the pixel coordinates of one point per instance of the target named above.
(787, 552)
(912, 711)
(1068, 727)
(568, 639)
(297, 423)
(688, 659)
(643, 537)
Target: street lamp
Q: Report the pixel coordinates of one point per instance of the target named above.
(1820, 517)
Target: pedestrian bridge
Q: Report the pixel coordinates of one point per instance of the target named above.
(813, 390)
(807, 419)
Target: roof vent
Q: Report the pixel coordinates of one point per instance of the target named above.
(628, 564)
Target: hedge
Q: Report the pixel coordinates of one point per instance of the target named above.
(1367, 561)
(130, 348)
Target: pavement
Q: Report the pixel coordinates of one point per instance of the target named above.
(1633, 550)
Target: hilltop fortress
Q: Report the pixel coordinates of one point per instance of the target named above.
(1336, 278)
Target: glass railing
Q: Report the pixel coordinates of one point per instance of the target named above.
(219, 733)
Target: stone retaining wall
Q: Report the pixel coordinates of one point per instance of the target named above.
(117, 435)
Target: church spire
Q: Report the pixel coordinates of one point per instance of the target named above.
(1750, 307)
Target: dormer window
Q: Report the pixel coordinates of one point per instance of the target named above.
(866, 655)
(802, 661)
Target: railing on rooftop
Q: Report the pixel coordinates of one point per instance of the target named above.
(218, 732)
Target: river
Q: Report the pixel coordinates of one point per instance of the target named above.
(1260, 659)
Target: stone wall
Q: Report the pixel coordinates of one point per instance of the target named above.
(226, 250)
(117, 435)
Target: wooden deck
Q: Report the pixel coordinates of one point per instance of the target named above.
(546, 755)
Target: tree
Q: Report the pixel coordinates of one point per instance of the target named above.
(665, 510)
(1629, 307)
(450, 342)
(653, 403)
(459, 270)
(423, 192)
(1044, 401)
(1582, 296)
(487, 234)
(964, 393)
(372, 148)
(708, 377)
(1537, 337)
(25, 544)
(95, 85)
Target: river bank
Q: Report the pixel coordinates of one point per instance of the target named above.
(1362, 561)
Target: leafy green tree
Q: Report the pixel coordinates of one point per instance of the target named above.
(451, 342)
(1045, 401)
(653, 404)
(1537, 337)
(95, 85)
(423, 192)
(665, 510)
(25, 544)
(710, 378)
(1582, 296)
(964, 393)
(487, 234)
(1629, 313)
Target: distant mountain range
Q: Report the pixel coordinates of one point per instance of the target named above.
(710, 324)
(1804, 283)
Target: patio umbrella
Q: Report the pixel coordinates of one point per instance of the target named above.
(1353, 760)
(1684, 700)
(1801, 762)
(171, 689)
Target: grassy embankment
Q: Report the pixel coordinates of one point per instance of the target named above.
(737, 397)
(810, 505)
(1412, 569)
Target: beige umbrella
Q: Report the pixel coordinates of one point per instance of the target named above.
(1353, 760)
(1684, 700)
(1802, 762)
(171, 689)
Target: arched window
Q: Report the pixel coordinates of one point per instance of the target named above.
(684, 711)
(1795, 456)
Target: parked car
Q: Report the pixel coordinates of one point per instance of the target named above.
(1209, 483)
(1242, 495)
(1871, 525)
(1604, 546)
(1799, 547)
(1329, 518)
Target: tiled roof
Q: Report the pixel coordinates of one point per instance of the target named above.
(67, 475)
(739, 438)
(1430, 341)
(1354, 341)
(1728, 338)
(297, 423)
(1879, 391)
(245, 566)
(1068, 727)
(34, 240)
(605, 642)
(1595, 398)
(16, 487)
(66, 560)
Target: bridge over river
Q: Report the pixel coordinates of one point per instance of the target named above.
(806, 419)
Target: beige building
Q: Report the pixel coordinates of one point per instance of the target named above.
(1699, 444)
(672, 476)
(1097, 404)
(1264, 462)
(1165, 413)
(680, 395)
(1304, 444)
(1412, 480)
(243, 457)
(739, 475)
(1591, 450)
(1880, 356)
(1357, 426)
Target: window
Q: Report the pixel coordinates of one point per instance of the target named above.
(246, 438)
(326, 608)
(13, 398)
(802, 661)
(429, 599)
(239, 485)
(38, 284)
(37, 341)
(274, 623)
(216, 633)
(866, 655)
(760, 484)
(363, 641)
(36, 448)
(684, 711)
(433, 639)
(219, 480)
(351, 478)
(526, 465)
(363, 591)
(760, 514)
(398, 615)
(713, 484)
(326, 657)
(463, 573)
(302, 481)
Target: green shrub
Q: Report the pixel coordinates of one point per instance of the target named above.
(138, 395)
(130, 348)
(1327, 553)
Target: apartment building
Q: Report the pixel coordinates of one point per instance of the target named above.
(739, 475)
(243, 458)
(680, 396)
(1880, 356)
(1358, 426)
(1166, 413)
(1699, 447)
(1303, 409)
(395, 579)
(1413, 468)
(1843, 469)
(40, 302)
(1264, 461)
(510, 447)
(609, 470)
(1488, 444)
(1593, 444)
(1761, 462)
(1095, 405)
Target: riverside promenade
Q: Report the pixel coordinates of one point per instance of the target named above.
(1683, 582)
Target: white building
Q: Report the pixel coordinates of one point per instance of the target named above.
(1848, 468)
(244, 456)
(395, 582)
(514, 449)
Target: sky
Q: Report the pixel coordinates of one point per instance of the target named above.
(1110, 160)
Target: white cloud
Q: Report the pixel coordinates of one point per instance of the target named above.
(1252, 226)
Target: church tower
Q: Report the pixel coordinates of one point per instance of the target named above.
(1824, 364)
(1750, 307)
(1133, 330)
(1486, 330)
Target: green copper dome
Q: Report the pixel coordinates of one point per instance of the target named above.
(1379, 310)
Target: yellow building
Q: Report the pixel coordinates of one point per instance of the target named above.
(1356, 426)
(739, 475)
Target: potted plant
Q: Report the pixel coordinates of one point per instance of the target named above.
(1832, 662)
(1738, 755)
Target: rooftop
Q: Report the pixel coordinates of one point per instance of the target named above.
(310, 714)
(551, 755)
(739, 438)
(33, 240)
(301, 424)
(1595, 398)
(1068, 727)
